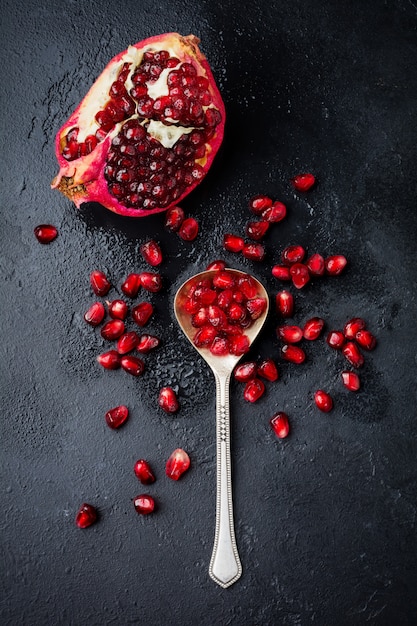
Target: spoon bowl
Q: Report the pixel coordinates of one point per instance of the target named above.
(225, 567)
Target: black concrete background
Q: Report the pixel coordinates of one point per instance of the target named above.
(326, 519)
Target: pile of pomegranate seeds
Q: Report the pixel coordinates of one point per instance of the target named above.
(45, 233)
(295, 268)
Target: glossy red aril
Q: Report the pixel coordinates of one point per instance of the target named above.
(280, 424)
(109, 360)
(174, 218)
(245, 371)
(247, 286)
(131, 285)
(353, 326)
(335, 264)
(316, 265)
(282, 272)
(300, 275)
(292, 254)
(95, 314)
(223, 280)
(233, 243)
(152, 139)
(253, 251)
(290, 333)
(254, 389)
(257, 230)
(151, 253)
(144, 472)
(335, 339)
(45, 233)
(259, 203)
(220, 346)
(188, 230)
(177, 464)
(99, 283)
(147, 343)
(351, 381)
(204, 336)
(239, 345)
(127, 342)
(303, 182)
(86, 515)
(268, 370)
(113, 330)
(352, 353)
(293, 354)
(151, 281)
(365, 339)
(216, 265)
(141, 313)
(132, 365)
(284, 303)
(312, 328)
(168, 400)
(118, 309)
(117, 416)
(256, 307)
(144, 504)
(275, 213)
(323, 401)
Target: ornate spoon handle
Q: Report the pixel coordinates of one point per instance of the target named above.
(225, 567)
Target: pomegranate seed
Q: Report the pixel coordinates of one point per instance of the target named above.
(216, 265)
(45, 233)
(177, 464)
(151, 253)
(248, 286)
(216, 316)
(351, 381)
(312, 328)
(303, 182)
(335, 264)
(245, 371)
(127, 342)
(256, 307)
(151, 282)
(174, 218)
(117, 416)
(86, 516)
(253, 251)
(188, 230)
(259, 203)
(131, 285)
(282, 272)
(236, 312)
(220, 346)
(293, 354)
(200, 318)
(204, 336)
(280, 424)
(254, 389)
(223, 280)
(95, 314)
(109, 360)
(290, 334)
(132, 365)
(352, 354)
(118, 309)
(168, 400)
(366, 339)
(315, 265)
(268, 370)
(300, 275)
(292, 254)
(284, 303)
(144, 472)
(335, 339)
(233, 243)
(257, 230)
(239, 345)
(353, 326)
(147, 343)
(323, 401)
(141, 313)
(144, 504)
(275, 213)
(99, 283)
(113, 330)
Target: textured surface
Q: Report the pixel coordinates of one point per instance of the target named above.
(325, 520)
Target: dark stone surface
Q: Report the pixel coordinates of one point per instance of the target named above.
(325, 520)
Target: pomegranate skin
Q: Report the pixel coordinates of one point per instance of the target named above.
(82, 179)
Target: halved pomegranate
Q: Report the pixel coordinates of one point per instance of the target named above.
(147, 131)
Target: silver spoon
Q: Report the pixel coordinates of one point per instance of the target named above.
(225, 567)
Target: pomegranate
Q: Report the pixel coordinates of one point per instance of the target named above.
(147, 131)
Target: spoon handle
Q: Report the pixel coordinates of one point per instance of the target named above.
(225, 567)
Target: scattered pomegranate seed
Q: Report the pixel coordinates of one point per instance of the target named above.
(365, 339)
(290, 334)
(258, 204)
(353, 326)
(174, 218)
(144, 472)
(300, 275)
(253, 251)
(95, 314)
(312, 328)
(282, 272)
(275, 213)
(151, 282)
(216, 265)
(293, 354)
(168, 400)
(268, 370)
(141, 313)
(117, 416)
(132, 365)
(316, 265)
(292, 254)
(113, 330)
(45, 233)
(177, 464)
(99, 283)
(280, 424)
(323, 401)
(335, 339)
(109, 360)
(257, 230)
(144, 504)
(284, 303)
(131, 285)
(303, 182)
(245, 371)
(127, 342)
(351, 381)
(352, 353)
(335, 264)
(118, 309)
(151, 253)
(86, 516)
(233, 243)
(254, 389)
(147, 343)
(188, 230)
